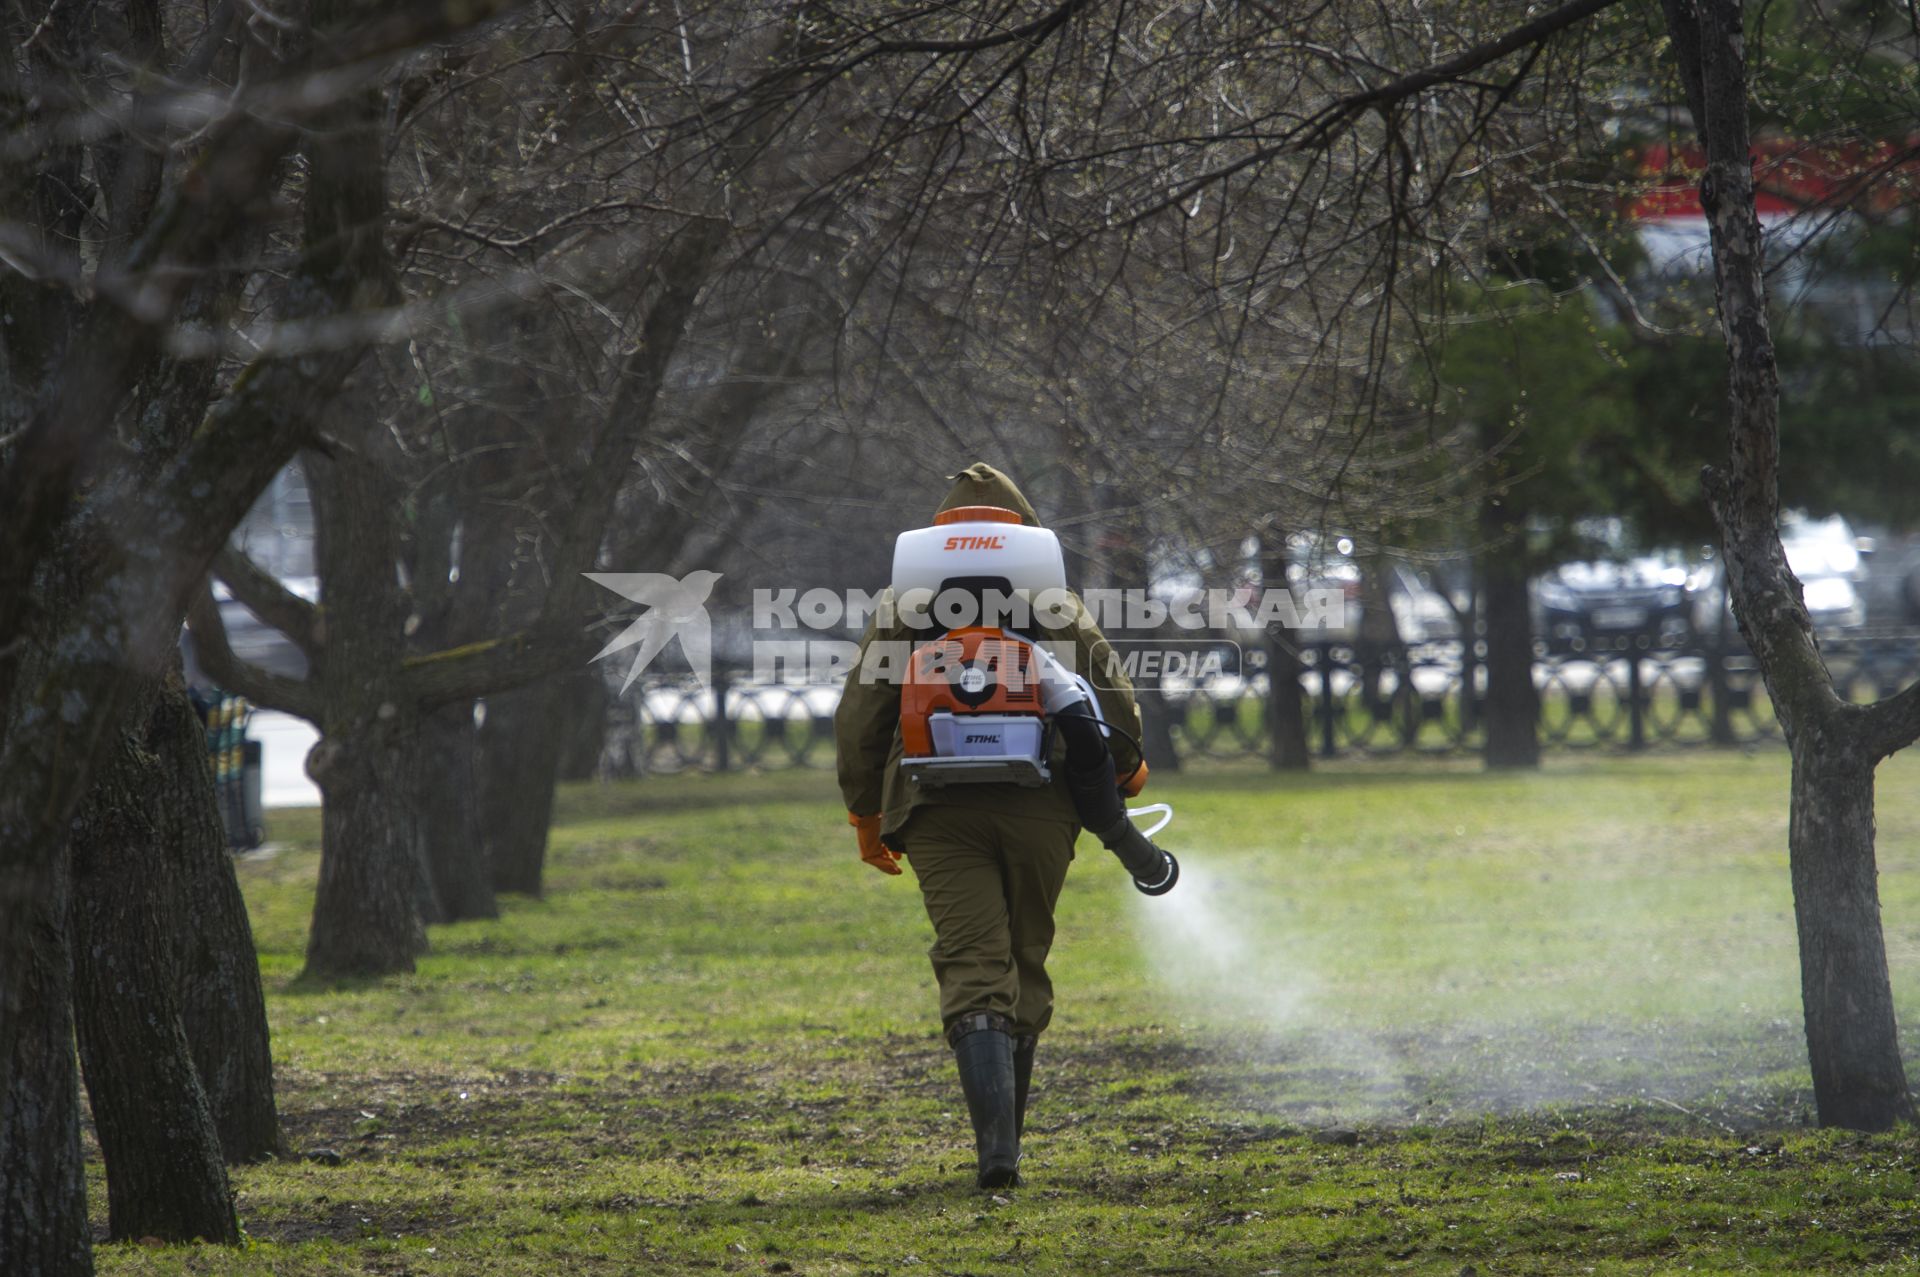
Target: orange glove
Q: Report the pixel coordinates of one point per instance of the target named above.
(887, 862)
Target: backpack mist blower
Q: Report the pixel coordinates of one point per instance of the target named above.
(981, 703)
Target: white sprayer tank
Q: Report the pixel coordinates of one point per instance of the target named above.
(982, 544)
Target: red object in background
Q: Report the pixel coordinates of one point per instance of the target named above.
(1790, 176)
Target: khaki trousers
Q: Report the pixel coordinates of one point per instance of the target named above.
(989, 881)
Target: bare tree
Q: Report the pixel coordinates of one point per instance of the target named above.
(1852, 1040)
(372, 687)
(118, 486)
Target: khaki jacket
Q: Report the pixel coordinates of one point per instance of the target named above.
(866, 725)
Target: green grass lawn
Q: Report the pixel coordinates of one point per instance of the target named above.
(1559, 1011)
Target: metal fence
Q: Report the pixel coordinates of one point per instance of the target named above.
(1402, 701)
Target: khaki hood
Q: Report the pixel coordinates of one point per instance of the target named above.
(981, 484)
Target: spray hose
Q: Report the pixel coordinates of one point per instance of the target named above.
(1069, 701)
(1154, 870)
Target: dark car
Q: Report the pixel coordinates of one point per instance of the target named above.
(1606, 605)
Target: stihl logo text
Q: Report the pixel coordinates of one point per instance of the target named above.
(976, 543)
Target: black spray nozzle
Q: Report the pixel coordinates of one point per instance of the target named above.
(1165, 884)
(1154, 871)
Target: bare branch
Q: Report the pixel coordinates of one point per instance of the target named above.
(1320, 129)
(268, 599)
(1893, 724)
(296, 696)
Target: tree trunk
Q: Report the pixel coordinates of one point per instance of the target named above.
(456, 853)
(222, 1006)
(1156, 715)
(519, 758)
(164, 1173)
(1853, 1043)
(1513, 703)
(366, 910)
(1286, 703)
(374, 895)
(582, 702)
(43, 1190)
(1376, 649)
(1156, 730)
(454, 565)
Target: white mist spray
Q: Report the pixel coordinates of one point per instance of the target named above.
(1218, 961)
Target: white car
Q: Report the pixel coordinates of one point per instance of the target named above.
(1826, 556)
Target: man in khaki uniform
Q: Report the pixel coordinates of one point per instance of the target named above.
(990, 858)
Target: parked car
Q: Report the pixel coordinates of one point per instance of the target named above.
(1826, 556)
(1421, 614)
(1603, 604)
(1891, 590)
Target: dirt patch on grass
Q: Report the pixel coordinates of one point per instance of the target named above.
(1311, 1077)
(1162, 1096)
(759, 1145)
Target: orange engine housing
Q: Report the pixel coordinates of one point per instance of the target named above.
(974, 670)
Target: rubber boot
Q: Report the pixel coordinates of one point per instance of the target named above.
(1022, 1078)
(983, 1049)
